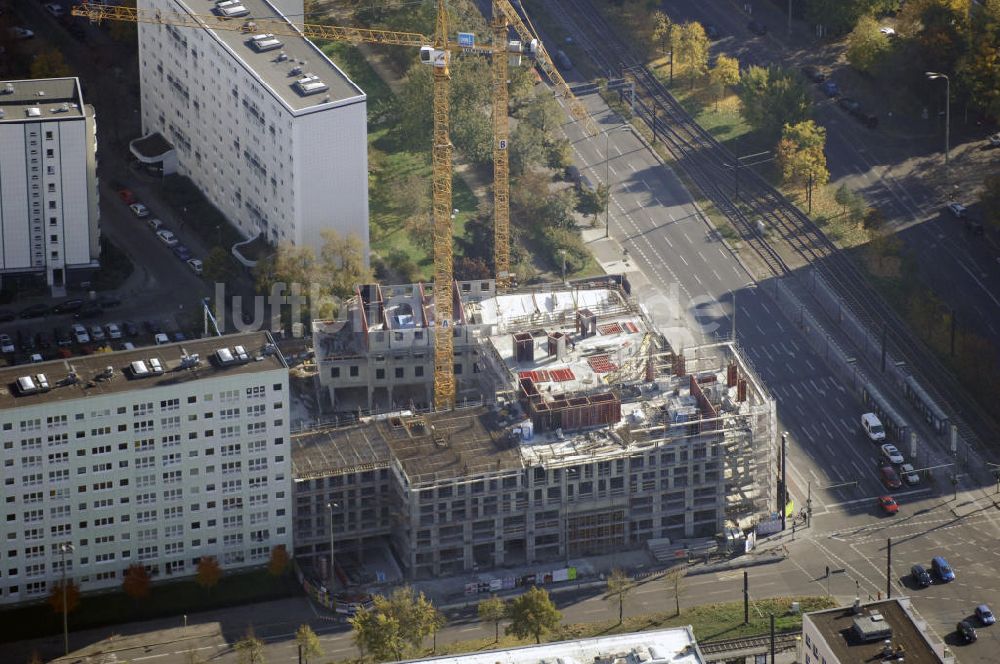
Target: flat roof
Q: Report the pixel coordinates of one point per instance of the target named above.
(676, 645)
(336, 451)
(836, 628)
(275, 73)
(37, 99)
(91, 379)
(148, 645)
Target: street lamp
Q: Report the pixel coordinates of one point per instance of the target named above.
(931, 75)
(65, 548)
(607, 175)
(563, 252)
(333, 570)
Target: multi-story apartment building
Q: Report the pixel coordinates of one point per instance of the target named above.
(48, 182)
(593, 436)
(157, 456)
(265, 125)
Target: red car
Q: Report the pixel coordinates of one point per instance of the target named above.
(889, 477)
(126, 196)
(888, 504)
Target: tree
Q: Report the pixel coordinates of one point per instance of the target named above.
(249, 649)
(840, 16)
(219, 266)
(619, 586)
(72, 597)
(532, 614)
(991, 200)
(49, 64)
(979, 68)
(940, 29)
(527, 148)
(772, 98)
(136, 583)
(395, 625)
(851, 204)
(341, 262)
(675, 584)
(693, 50)
(866, 45)
(800, 153)
(543, 113)
(725, 73)
(493, 610)
(288, 264)
(308, 643)
(208, 573)
(278, 563)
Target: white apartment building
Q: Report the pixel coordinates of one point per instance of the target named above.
(156, 456)
(48, 182)
(271, 131)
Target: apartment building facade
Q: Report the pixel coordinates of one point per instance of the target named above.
(157, 456)
(48, 182)
(271, 131)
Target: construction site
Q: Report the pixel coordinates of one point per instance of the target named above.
(577, 431)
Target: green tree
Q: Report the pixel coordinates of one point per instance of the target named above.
(801, 154)
(250, 649)
(693, 50)
(866, 45)
(49, 64)
(840, 16)
(991, 201)
(619, 586)
(979, 68)
(543, 113)
(209, 572)
(278, 564)
(492, 610)
(395, 625)
(674, 579)
(342, 262)
(852, 204)
(772, 98)
(288, 264)
(560, 154)
(940, 29)
(527, 148)
(532, 614)
(308, 643)
(136, 582)
(220, 266)
(725, 74)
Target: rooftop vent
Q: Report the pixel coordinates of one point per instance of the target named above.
(295, 71)
(40, 93)
(144, 369)
(265, 42)
(231, 9)
(281, 57)
(310, 84)
(2, 113)
(32, 385)
(226, 357)
(8, 89)
(33, 112)
(189, 361)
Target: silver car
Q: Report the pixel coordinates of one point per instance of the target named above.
(891, 454)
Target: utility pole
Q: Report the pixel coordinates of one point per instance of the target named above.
(333, 568)
(746, 598)
(809, 506)
(783, 498)
(888, 568)
(772, 639)
(883, 348)
(953, 333)
(65, 548)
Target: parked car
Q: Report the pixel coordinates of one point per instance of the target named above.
(36, 358)
(994, 141)
(167, 238)
(813, 74)
(96, 333)
(920, 576)
(829, 88)
(758, 29)
(942, 569)
(152, 327)
(6, 344)
(130, 328)
(563, 60)
(985, 616)
(196, 266)
(966, 631)
(909, 475)
(887, 31)
(849, 104)
(62, 337)
(80, 334)
(182, 252)
(154, 224)
(109, 301)
(55, 9)
(872, 427)
(68, 307)
(869, 120)
(892, 454)
(974, 226)
(19, 32)
(114, 332)
(34, 311)
(888, 504)
(6, 315)
(160, 338)
(88, 310)
(127, 196)
(957, 210)
(139, 210)
(889, 477)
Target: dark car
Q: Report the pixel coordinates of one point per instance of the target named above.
(7, 315)
(813, 74)
(34, 311)
(966, 632)
(152, 326)
(89, 310)
(108, 301)
(985, 616)
(711, 31)
(942, 569)
(869, 120)
(848, 104)
(68, 307)
(129, 328)
(758, 29)
(974, 226)
(182, 252)
(829, 88)
(62, 337)
(889, 477)
(920, 576)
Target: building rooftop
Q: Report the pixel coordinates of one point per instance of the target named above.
(274, 65)
(34, 100)
(837, 627)
(142, 368)
(204, 639)
(663, 646)
(335, 451)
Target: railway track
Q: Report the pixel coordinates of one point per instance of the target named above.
(708, 164)
(782, 641)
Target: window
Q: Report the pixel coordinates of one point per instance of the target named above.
(380, 374)
(418, 372)
(335, 372)
(399, 372)
(354, 371)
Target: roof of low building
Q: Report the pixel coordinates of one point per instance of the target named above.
(837, 626)
(205, 639)
(38, 99)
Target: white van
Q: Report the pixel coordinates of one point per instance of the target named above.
(872, 427)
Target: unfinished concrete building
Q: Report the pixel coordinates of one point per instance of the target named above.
(590, 436)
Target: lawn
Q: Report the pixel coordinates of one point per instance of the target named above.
(166, 599)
